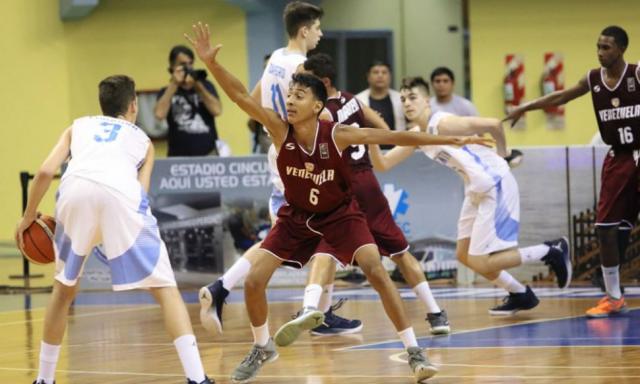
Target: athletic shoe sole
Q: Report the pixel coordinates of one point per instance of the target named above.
(344, 331)
(424, 372)
(622, 310)
(208, 316)
(289, 332)
(441, 330)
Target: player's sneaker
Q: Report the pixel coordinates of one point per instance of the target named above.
(308, 318)
(439, 323)
(205, 381)
(514, 158)
(420, 366)
(212, 299)
(608, 306)
(336, 325)
(255, 359)
(515, 302)
(559, 259)
(41, 382)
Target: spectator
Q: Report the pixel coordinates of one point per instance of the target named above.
(442, 80)
(190, 104)
(381, 98)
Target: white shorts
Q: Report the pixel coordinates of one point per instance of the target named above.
(276, 200)
(88, 213)
(491, 219)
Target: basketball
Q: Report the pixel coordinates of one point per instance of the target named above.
(38, 240)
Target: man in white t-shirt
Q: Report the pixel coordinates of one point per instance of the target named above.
(488, 226)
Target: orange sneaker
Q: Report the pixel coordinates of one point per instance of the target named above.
(608, 306)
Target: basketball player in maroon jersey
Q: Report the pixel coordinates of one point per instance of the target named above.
(344, 108)
(615, 91)
(320, 208)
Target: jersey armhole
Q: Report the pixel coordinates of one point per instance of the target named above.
(333, 138)
(636, 72)
(589, 79)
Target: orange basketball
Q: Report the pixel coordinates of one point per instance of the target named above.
(38, 240)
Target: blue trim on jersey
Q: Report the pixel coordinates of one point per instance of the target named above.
(72, 261)
(139, 261)
(282, 105)
(144, 202)
(496, 178)
(506, 227)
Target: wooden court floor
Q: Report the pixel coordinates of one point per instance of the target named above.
(119, 338)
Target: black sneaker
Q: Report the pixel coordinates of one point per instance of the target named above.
(439, 323)
(211, 302)
(515, 302)
(514, 158)
(205, 381)
(559, 259)
(41, 382)
(336, 325)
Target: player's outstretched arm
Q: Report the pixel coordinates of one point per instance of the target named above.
(236, 91)
(553, 99)
(467, 126)
(345, 136)
(384, 162)
(42, 181)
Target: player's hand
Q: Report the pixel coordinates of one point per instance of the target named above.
(202, 44)
(23, 224)
(514, 116)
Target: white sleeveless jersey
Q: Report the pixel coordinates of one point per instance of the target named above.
(108, 151)
(480, 167)
(272, 157)
(276, 77)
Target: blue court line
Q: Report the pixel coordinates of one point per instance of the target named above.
(620, 330)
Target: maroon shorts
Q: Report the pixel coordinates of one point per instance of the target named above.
(619, 190)
(298, 235)
(374, 204)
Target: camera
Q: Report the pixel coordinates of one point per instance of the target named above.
(197, 74)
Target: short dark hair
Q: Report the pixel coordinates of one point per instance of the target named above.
(312, 82)
(178, 49)
(378, 63)
(619, 35)
(115, 94)
(321, 65)
(298, 14)
(442, 71)
(413, 82)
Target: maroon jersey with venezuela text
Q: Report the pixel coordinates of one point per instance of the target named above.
(617, 109)
(317, 181)
(346, 109)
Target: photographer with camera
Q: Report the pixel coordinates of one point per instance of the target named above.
(190, 104)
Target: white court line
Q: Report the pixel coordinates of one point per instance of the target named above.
(123, 373)
(37, 320)
(534, 321)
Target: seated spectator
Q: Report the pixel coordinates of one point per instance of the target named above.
(442, 80)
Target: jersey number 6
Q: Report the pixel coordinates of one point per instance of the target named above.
(313, 196)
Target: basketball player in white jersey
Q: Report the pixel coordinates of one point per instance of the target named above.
(489, 220)
(102, 196)
(302, 23)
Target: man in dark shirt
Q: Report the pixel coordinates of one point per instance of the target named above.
(381, 98)
(190, 104)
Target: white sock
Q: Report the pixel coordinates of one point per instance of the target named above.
(509, 283)
(326, 298)
(189, 355)
(48, 360)
(423, 292)
(408, 338)
(533, 254)
(237, 272)
(261, 334)
(312, 296)
(611, 277)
